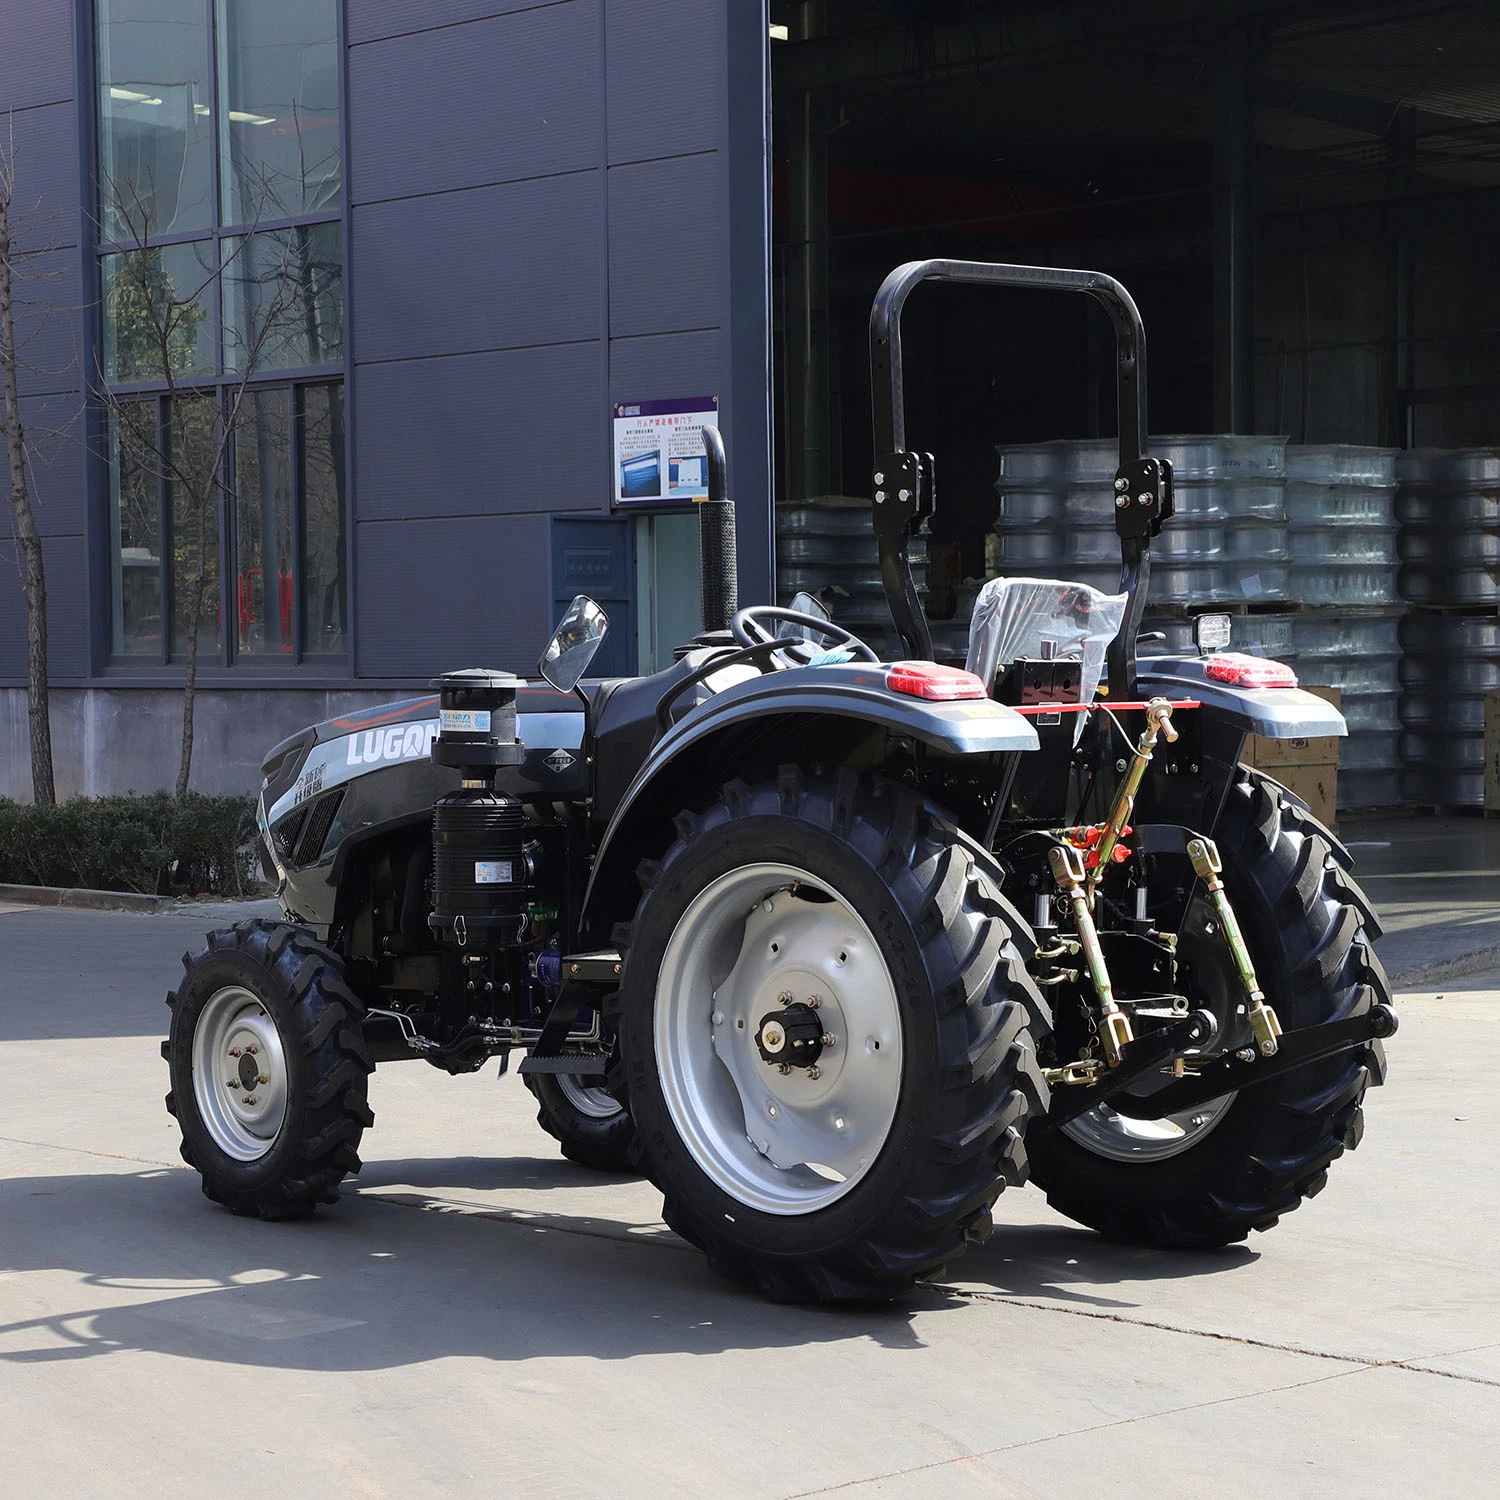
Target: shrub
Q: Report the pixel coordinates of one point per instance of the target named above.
(153, 844)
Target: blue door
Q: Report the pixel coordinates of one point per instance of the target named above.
(596, 556)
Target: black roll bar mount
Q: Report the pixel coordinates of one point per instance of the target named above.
(904, 486)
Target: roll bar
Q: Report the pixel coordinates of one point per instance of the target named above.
(904, 482)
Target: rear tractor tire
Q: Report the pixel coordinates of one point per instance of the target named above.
(1211, 1175)
(827, 1033)
(269, 1070)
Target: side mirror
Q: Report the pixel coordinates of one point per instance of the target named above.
(573, 644)
(808, 604)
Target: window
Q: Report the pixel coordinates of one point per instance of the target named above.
(222, 349)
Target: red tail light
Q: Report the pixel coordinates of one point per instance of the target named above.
(925, 679)
(1239, 670)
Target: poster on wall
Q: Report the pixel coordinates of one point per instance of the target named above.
(659, 455)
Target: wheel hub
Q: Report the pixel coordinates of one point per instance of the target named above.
(766, 957)
(239, 1074)
(794, 1037)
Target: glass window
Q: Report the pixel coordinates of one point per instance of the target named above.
(284, 299)
(279, 135)
(193, 502)
(220, 264)
(135, 527)
(325, 594)
(155, 118)
(158, 313)
(263, 533)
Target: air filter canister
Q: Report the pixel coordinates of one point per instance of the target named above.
(477, 721)
(480, 881)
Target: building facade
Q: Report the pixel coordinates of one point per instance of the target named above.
(326, 309)
(334, 309)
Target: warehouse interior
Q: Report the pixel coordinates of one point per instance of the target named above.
(1304, 200)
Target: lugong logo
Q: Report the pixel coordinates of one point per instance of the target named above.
(399, 742)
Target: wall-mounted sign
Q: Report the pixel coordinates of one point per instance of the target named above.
(659, 455)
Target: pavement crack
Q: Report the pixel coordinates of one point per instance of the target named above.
(1414, 1363)
(1053, 1437)
(145, 1161)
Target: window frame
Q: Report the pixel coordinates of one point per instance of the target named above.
(228, 659)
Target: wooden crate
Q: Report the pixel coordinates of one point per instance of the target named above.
(1308, 767)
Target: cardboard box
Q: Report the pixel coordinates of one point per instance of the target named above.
(1308, 767)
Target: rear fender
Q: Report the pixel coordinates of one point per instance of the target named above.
(832, 715)
(1272, 713)
(1188, 781)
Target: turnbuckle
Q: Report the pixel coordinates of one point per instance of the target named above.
(1158, 722)
(1114, 1027)
(1207, 865)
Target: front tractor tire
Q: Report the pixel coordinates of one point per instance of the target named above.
(827, 1036)
(1210, 1176)
(269, 1070)
(589, 1124)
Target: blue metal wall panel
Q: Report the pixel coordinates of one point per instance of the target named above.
(435, 595)
(492, 268)
(36, 54)
(474, 128)
(667, 245)
(54, 435)
(669, 364)
(478, 434)
(665, 66)
(47, 324)
(370, 20)
(67, 612)
(45, 139)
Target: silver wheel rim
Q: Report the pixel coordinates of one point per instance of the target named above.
(1120, 1138)
(788, 1143)
(239, 1074)
(593, 1102)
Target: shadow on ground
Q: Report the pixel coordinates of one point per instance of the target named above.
(391, 1278)
(1052, 1262)
(375, 1283)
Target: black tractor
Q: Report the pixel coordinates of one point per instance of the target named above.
(830, 948)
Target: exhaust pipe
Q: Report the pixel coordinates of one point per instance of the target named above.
(718, 562)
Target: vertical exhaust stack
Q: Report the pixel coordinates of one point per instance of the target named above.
(718, 560)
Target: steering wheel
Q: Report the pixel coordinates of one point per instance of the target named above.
(751, 627)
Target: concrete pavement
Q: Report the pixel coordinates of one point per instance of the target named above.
(479, 1317)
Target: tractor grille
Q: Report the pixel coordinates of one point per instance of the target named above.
(319, 821)
(287, 831)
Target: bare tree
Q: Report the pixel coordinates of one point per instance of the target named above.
(30, 562)
(156, 319)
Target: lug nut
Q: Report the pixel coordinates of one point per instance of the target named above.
(784, 1068)
(252, 1049)
(251, 1099)
(235, 1051)
(828, 1039)
(262, 1079)
(232, 1083)
(814, 1001)
(784, 998)
(815, 1072)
